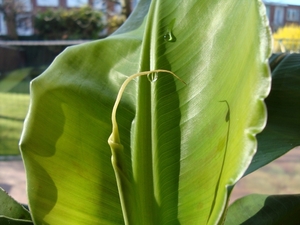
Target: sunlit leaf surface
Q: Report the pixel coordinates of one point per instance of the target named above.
(282, 132)
(182, 144)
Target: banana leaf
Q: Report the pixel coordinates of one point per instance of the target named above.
(261, 209)
(182, 134)
(11, 212)
(282, 132)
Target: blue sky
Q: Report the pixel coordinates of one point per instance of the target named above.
(290, 2)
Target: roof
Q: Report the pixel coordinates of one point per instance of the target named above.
(283, 2)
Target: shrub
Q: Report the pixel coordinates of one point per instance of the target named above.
(287, 38)
(78, 23)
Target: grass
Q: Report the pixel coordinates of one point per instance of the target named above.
(14, 102)
(15, 81)
(12, 113)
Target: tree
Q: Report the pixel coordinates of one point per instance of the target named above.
(125, 4)
(10, 9)
(115, 20)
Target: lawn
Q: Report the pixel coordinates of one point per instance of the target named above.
(12, 113)
(14, 101)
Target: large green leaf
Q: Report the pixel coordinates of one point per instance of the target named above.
(258, 209)
(11, 212)
(9, 221)
(282, 132)
(180, 145)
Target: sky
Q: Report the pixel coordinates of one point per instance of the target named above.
(290, 2)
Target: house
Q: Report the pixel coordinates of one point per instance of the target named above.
(282, 12)
(30, 7)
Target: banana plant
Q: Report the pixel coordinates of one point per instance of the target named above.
(154, 124)
(281, 134)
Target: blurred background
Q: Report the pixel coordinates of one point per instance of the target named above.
(34, 32)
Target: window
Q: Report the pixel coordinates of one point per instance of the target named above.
(268, 11)
(100, 5)
(292, 15)
(118, 8)
(3, 30)
(24, 25)
(23, 5)
(279, 15)
(77, 3)
(53, 3)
